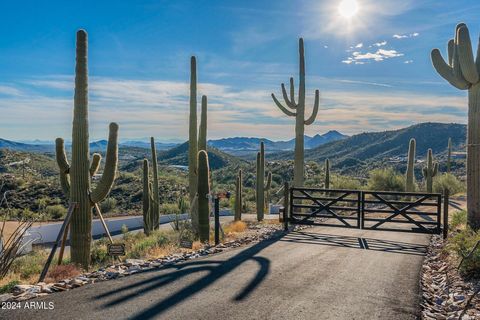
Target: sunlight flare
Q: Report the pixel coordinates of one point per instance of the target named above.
(348, 8)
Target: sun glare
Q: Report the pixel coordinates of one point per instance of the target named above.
(348, 8)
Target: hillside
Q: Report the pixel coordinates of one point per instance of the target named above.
(365, 148)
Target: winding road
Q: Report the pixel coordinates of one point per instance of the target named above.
(315, 273)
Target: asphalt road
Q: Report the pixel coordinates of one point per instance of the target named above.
(317, 273)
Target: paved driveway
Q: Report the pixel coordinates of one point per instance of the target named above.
(316, 273)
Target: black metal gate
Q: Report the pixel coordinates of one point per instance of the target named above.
(376, 210)
(336, 208)
(401, 211)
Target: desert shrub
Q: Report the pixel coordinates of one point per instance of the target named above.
(108, 204)
(235, 227)
(124, 229)
(385, 180)
(126, 177)
(344, 182)
(29, 264)
(447, 181)
(60, 272)
(98, 254)
(9, 286)
(462, 244)
(169, 208)
(56, 212)
(459, 218)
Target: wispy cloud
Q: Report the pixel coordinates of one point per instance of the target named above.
(358, 57)
(380, 44)
(404, 36)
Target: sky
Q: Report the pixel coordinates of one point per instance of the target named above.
(373, 70)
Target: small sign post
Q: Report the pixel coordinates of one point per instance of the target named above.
(116, 249)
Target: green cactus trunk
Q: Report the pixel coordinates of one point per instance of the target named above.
(238, 196)
(449, 155)
(202, 131)
(327, 174)
(147, 200)
(260, 186)
(410, 174)
(297, 110)
(75, 177)
(430, 171)
(155, 205)
(192, 131)
(203, 193)
(268, 186)
(463, 72)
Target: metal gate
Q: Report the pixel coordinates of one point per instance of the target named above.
(376, 210)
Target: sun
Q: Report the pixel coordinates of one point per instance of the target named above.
(348, 8)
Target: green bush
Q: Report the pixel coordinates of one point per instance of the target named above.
(448, 181)
(344, 182)
(462, 244)
(108, 204)
(29, 264)
(56, 212)
(9, 286)
(385, 180)
(459, 218)
(99, 253)
(169, 208)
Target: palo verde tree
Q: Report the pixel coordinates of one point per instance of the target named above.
(75, 176)
(297, 110)
(463, 72)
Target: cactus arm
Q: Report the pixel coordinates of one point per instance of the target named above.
(450, 49)
(95, 164)
(281, 107)
(446, 71)
(465, 55)
(292, 92)
(310, 120)
(435, 169)
(268, 183)
(155, 207)
(63, 166)
(106, 182)
(202, 132)
(285, 97)
(192, 131)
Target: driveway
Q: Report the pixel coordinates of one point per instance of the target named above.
(315, 273)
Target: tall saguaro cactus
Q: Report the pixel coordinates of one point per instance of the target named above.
(410, 174)
(449, 155)
(238, 196)
(203, 192)
(297, 110)
(147, 199)
(260, 186)
(430, 171)
(327, 174)
(192, 132)
(202, 130)
(75, 176)
(463, 72)
(155, 196)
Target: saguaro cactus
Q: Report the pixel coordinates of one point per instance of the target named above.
(155, 206)
(430, 171)
(203, 192)
(449, 155)
(410, 174)
(463, 72)
(147, 199)
(238, 196)
(297, 110)
(192, 132)
(260, 186)
(202, 130)
(327, 174)
(268, 187)
(75, 177)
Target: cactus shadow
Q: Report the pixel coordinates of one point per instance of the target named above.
(214, 269)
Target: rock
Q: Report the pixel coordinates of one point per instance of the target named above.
(6, 297)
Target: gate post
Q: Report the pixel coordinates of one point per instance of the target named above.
(445, 213)
(286, 195)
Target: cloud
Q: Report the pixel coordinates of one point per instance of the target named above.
(381, 54)
(359, 45)
(404, 36)
(408, 61)
(380, 44)
(160, 108)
